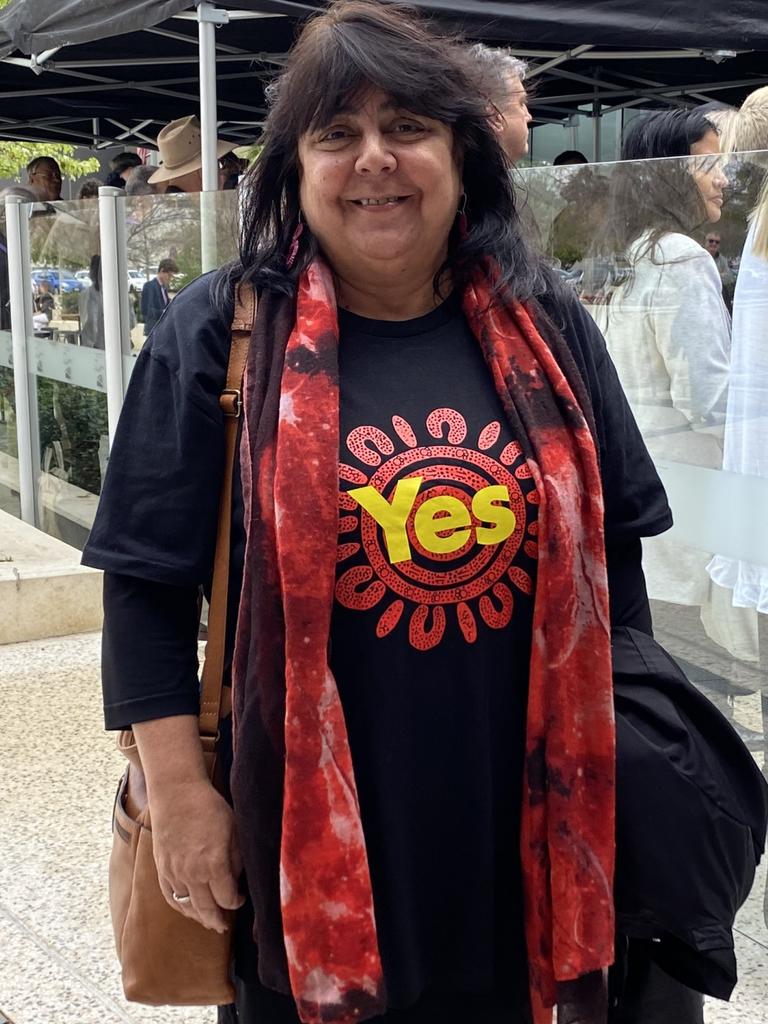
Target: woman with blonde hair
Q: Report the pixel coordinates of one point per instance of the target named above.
(746, 423)
(746, 129)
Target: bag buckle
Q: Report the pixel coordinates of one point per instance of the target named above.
(231, 402)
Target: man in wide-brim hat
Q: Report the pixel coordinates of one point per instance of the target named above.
(181, 154)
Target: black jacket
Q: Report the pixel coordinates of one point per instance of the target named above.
(152, 304)
(691, 817)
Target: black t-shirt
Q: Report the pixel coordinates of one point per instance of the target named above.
(431, 645)
(431, 627)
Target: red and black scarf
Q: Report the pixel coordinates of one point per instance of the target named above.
(293, 780)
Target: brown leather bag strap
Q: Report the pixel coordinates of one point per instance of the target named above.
(231, 405)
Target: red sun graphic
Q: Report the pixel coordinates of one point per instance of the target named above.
(392, 509)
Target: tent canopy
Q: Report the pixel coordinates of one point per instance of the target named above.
(739, 24)
(101, 71)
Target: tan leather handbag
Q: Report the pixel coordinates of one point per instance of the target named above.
(168, 959)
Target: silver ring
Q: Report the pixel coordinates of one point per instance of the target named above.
(181, 899)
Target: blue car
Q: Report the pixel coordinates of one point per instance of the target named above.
(63, 281)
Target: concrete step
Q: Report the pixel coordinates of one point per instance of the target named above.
(44, 591)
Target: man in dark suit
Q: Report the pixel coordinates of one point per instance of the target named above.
(154, 294)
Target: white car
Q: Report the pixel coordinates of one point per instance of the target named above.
(136, 280)
(84, 276)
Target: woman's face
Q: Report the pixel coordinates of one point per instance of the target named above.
(708, 174)
(380, 188)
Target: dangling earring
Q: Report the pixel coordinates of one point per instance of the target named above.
(462, 212)
(294, 247)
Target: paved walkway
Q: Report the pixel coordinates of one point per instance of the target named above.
(58, 773)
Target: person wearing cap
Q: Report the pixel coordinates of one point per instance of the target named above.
(122, 167)
(181, 155)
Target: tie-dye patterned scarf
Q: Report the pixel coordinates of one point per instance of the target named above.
(293, 781)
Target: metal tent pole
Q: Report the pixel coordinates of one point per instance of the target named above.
(206, 29)
(597, 120)
(114, 290)
(207, 20)
(24, 383)
(598, 133)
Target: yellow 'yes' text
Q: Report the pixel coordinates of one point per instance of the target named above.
(442, 524)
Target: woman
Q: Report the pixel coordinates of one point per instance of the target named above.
(668, 332)
(745, 425)
(666, 325)
(424, 419)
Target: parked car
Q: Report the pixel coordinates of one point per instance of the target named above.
(84, 276)
(136, 280)
(63, 281)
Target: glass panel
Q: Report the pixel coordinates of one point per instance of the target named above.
(9, 462)
(194, 230)
(66, 355)
(661, 253)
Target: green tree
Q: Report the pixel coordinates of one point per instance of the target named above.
(14, 157)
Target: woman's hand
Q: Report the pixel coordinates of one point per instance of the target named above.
(193, 827)
(196, 852)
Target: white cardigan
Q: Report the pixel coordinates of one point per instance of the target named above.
(746, 423)
(668, 332)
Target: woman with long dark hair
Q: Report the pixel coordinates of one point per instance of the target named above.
(668, 329)
(440, 483)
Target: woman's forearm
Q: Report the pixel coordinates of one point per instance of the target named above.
(171, 755)
(193, 833)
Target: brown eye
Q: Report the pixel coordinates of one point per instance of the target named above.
(408, 128)
(333, 135)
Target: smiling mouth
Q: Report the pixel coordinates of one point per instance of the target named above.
(384, 201)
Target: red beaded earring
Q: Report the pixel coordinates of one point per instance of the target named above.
(293, 251)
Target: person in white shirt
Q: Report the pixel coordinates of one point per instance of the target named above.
(669, 333)
(746, 422)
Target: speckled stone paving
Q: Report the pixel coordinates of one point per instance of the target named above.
(58, 773)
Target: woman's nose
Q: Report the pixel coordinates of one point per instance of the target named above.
(375, 156)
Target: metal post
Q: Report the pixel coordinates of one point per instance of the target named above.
(597, 116)
(24, 383)
(207, 18)
(597, 121)
(208, 112)
(114, 285)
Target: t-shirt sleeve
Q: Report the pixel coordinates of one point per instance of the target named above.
(148, 651)
(635, 500)
(158, 511)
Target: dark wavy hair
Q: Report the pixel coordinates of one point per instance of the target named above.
(650, 195)
(354, 46)
(665, 133)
